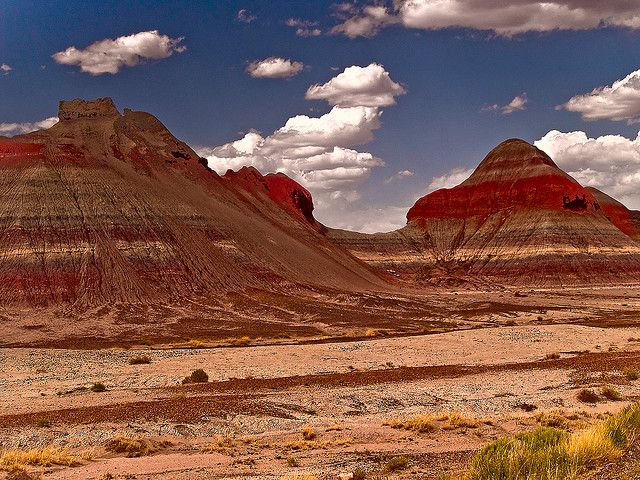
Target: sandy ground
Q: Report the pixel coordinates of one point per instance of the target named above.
(259, 398)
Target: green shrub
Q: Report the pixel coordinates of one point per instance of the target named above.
(395, 464)
(140, 360)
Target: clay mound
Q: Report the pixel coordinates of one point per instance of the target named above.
(626, 220)
(106, 207)
(518, 219)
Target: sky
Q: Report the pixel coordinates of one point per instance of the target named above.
(370, 104)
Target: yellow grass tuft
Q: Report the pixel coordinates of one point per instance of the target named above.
(43, 457)
(549, 453)
(429, 423)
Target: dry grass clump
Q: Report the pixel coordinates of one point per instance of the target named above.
(395, 464)
(98, 387)
(429, 423)
(631, 373)
(552, 356)
(561, 419)
(223, 444)
(548, 453)
(197, 376)
(333, 428)
(308, 433)
(610, 393)
(42, 457)
(140, 360)
(133, 447)
(587, 395)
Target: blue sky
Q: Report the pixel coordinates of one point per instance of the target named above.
(206, 97)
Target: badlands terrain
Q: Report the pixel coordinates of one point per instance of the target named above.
(160, 321)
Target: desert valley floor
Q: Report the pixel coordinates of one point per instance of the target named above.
(328, 398)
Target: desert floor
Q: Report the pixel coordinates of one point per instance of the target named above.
(504, 363)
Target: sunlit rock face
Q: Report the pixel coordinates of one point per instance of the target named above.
(107, 207)
(518, 219)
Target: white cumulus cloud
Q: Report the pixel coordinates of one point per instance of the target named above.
(505, 18)
(274, 67)
(518, 103)
(610, 163)
(619, 102)
(319, 151)
(399, 176)
(9, 129)
(450, 179)
(110, 55)
(5, 69)
(369, 86)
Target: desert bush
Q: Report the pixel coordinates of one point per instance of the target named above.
(292, 462)
(419, 424)
(631, 373)
(43, 422)
(20, 473)
(359, 474)
(43, 457)
(98, 387)
(133, 447)
(395, 464)
(308, 433)
(588, 396)
(552, 356)
(552, 454)
(610, 393)
(140, 360)
(197, 376)
(554, 418)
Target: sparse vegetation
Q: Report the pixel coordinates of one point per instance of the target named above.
(135, 446)
(140, 360)
(197, 376)
(43, 423)
(42, 457)
(359, 474)
(395, 464)
(292, 462)
(588, 396)
(333, 428)
(631, 373)
(98, 387)
(552, 454)
(308, 433)
(552, 356)
(429, 423)
(610, 393)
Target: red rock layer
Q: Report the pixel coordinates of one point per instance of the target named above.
(105, 208)
(626, 220)
(518, 219)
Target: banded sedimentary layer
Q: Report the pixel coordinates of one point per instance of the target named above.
(518, 219)
(106, 207)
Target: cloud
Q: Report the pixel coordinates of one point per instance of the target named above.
(503, 18)
(304, 28)
(619, 102)
(274, 67)
(5, 69)
(244, 16)
(318, 151)
(9, 129)
(519, 103)
(368, 86)
(348, 215)
(450, 179)
(402, 174)
(109, 55)
(610, 163)
(365, 22)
